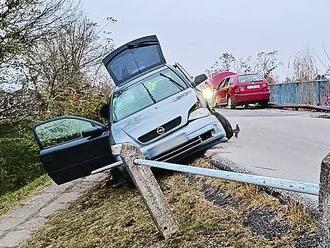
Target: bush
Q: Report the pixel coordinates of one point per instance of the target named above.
(19, 163)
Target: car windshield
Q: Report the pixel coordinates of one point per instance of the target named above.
(147, 92)
(250, 78)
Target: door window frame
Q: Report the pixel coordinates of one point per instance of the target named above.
(223, 83)
(42, 147)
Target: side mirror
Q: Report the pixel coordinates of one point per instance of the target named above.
(104, 111)
(93, 132)
(200, 79)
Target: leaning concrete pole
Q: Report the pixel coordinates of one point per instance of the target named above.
(324, 202)
(150, 190)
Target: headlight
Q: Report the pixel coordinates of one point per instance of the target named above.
(199, 113)
(209, 96)
(207, 93)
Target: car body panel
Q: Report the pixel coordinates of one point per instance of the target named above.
(195, 134)
(238, 99)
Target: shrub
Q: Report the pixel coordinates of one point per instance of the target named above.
(19, 163)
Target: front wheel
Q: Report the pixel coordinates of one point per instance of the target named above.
(225, 123)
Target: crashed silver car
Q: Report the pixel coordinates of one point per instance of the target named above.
(155, 107)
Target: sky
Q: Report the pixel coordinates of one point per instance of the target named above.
(194, 33)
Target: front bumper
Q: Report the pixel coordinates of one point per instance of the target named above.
(195, 136)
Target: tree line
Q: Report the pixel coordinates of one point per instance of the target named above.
(50, 60)
(303, 66)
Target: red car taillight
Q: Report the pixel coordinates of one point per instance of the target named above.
(238, 89)
(266, 85)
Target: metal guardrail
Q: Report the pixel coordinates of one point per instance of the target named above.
(107, 167)
(289, 185)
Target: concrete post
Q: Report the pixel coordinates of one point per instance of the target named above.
(324, 202)
(150, 190)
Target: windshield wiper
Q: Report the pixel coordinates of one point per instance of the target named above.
(119, 92)
(173, 81)
(152, 98)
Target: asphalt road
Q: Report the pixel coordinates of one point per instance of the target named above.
(278, 143)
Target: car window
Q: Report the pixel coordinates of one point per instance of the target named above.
(225, 84)
(148, 91)
(230, 81)
(134, 61)
(61, 131)
(161, 85)
(129, 101)
(221, 84)
(250, 78)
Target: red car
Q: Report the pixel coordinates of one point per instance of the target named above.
(233, 89)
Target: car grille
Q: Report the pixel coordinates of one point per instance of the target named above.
(184, 147)
(167, 127)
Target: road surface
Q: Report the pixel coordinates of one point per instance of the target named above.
(278, 143)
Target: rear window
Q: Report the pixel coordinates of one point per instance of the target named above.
(250, 78)
(133, 61)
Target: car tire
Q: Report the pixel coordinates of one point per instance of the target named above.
(225, 123)
(230, 103)
(264, 104)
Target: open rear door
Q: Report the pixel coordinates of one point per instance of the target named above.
(72, 147)
(133, 59)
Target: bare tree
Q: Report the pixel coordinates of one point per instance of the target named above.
(266, 63)
(244, 65)
(22, 23)
(225, 62)
(63, 67)
(304, 66)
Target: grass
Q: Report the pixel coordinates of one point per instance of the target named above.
(20, 172)
(211, 213)
(13, 198)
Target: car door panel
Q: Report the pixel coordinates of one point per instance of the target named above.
(222, 92)
(75, 158)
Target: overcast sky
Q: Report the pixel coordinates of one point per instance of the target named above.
(195, 33)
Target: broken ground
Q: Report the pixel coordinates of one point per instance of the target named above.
(211, 213)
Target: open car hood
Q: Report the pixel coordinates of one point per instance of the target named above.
(133, 59)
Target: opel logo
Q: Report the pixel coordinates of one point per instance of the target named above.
(160, 130)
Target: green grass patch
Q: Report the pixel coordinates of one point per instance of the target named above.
(108, 217)
(19, 163)
(17, 197)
